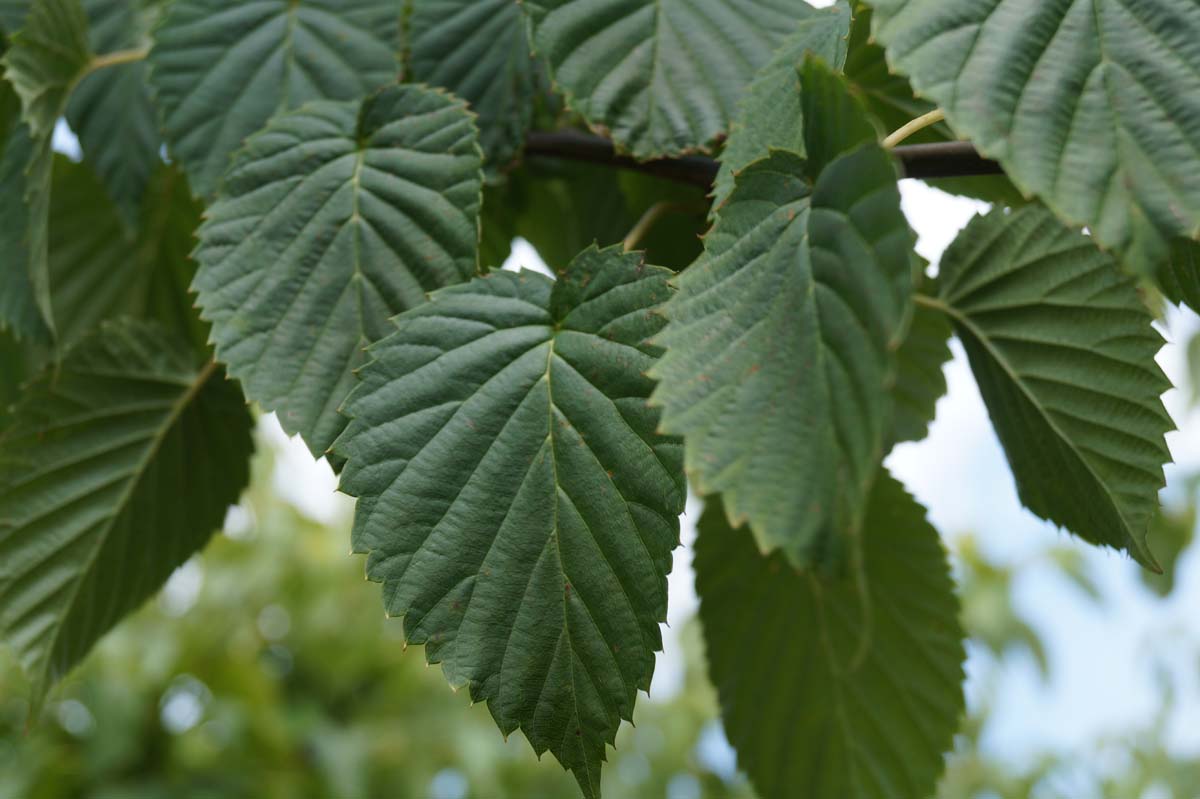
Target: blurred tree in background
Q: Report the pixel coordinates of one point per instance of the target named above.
(259, 674)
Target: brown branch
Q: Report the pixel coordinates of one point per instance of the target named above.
(942, 160)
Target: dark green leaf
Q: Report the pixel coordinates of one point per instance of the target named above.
(823, 695)
(1063, 351)
(115, 468)
(1179, 277)
(337, 217)
(478, 49)
(24, 303)
(920, 381)
(46, 59)
(662, 77)
(111, 110)
(223, 69)
(781, 345)
(769, 113)
(1094, 106)
(515, 500)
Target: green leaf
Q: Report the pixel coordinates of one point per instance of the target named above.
(835, 121)
(1179, 277)
(15, 366)
(111, 110)
(781, 345)
(222, 69)
(337, 217)
(920, 381)
(1063, 351)
(479, 50)
(101, 270)
(662, 77)
(769, 113)
(24, 300)
(115, 468)
(825, 696)
(1093, 106)
(515, 500)
(45, 60)
(47, 57)
(890, 98)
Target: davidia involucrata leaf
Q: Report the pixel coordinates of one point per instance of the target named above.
(836, 687)
(1063, 350)
(515, 500)
(662, 77)
(1093, 105)
(115, 467)
(222, 69)
(781, 340)
(337, 217)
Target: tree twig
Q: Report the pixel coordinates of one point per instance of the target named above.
(940, 160)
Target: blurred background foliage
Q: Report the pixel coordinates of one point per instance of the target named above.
(266, 670)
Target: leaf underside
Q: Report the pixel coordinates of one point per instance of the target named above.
(1063, 351)
(1093, 105)
(515, 500)
(115, 468)
(823, 697)
(221, 70)
(334, 219)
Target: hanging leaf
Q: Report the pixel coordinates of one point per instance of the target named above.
(823, 695)
(334, 219)
(45, 60)
(1094, 107)
(662, 77)
(781, 340)
(101, 270)
(111, 110)
(115, 468)
(222, 69)
(478, 49)
(1063, 351)
(24, 310)
(920, 381)
(515, 500)
(769, 113)
(1179, 277)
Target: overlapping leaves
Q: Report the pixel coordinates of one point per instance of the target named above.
(221, 70)
(780, 343)
(832, 688)
(515, 500)
(116, 466)
(1094, 105)
(662, 77)
(1063, 350)
(334, 219)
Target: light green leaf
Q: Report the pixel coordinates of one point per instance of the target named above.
(769, 113)
(222, 69)
(1093, 105)
(479, 50)
(114, 469)
(825, 696)
(781, 344)
(662, 77)
(1063, 351)
(920, 381)
(111, 110)
(515, 500)
(334, 219)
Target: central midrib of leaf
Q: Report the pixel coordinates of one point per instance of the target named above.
(966, 325)
(133, 480)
